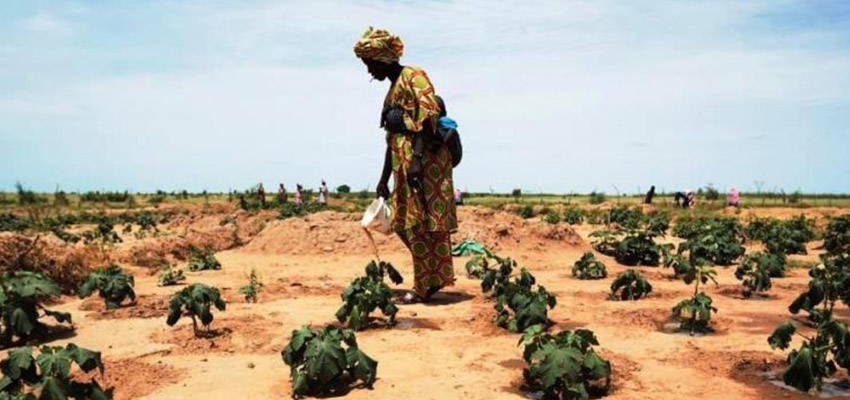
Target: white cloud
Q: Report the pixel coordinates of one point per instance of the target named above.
(47, 24)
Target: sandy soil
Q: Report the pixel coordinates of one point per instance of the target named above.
(449, 349)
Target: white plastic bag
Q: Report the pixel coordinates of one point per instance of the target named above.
(377, 217)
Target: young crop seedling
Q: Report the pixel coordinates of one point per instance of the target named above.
(819, 356)
(625, 217)
(756, 269)
(112, 284)
(717, 240)
(519, 306)
(694, 314)
(605, 241)
(48, 375)
(573, 216)
(22, 294)
(552, 218)
(196, 301)
(526, 212)
(836, 239)
(170, 277)
(368, 293)
(476, 266)
(104, 235)
(319, 365)
(252, 289)
(631, 285)
(588, 267)
(564, 365)
(203, 260)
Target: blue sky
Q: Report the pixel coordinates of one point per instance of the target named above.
(554, 96)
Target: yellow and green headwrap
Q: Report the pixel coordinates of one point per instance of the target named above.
(379, 45)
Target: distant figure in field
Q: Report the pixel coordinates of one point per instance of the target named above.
(733, 199)
(649, 195)
(458, 197)
(281, 194)
(242, 203)
(299, 195)
(692, 198)
(261, 195)
(323, 194)
(681, 199)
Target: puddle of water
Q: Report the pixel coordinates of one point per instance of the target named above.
(831, 388)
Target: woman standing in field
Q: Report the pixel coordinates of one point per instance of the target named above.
(423, 211)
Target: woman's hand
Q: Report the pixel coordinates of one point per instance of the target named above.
(382, 190)
(414, 173)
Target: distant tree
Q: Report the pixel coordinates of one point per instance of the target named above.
(343, 189)
(516, 193)
(711, 193)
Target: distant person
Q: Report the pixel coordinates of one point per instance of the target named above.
(681, 199)
(299, 195)
(458, 197)
(692, 199)
(261, 195)
(649, 195)
(424, 214)
(323, 194)
(733, 199)
(281, 194)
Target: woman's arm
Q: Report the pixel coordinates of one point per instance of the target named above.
(383, 188)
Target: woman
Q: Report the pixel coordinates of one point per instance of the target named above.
(421, 200)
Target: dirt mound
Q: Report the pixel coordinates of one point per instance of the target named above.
(228, 335)
(285, 288)
(335, 232)
(67, 264)
(185, 232)
(146, 306)
(134, 378)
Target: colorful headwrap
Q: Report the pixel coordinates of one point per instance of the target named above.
(379, 45)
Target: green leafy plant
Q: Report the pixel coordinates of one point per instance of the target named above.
(756, 269)
(170, 277)
(630, 285)
(320, 365)
(836, 238)
(22, 294)
(638, 247)
(564, 365)
(596, 197)
(605, 241)
(112, 284)
(476, 266)
(103, 235)
(819, 356)
(48, 375)
(573, 216)
(588, 267)
(518, 306)
(202, 260)
(368, 293)
(253, 288)
(526, 211)
(625, 217)
(552, 217)
(196, 301)
(715, 245)
(783, 237)
(694, 314)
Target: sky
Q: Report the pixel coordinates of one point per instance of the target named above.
(550, 96)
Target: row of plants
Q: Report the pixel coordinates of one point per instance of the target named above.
(826, 349)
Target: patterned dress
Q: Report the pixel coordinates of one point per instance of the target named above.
(424, 222)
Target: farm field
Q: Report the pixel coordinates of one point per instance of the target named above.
(448, 348)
